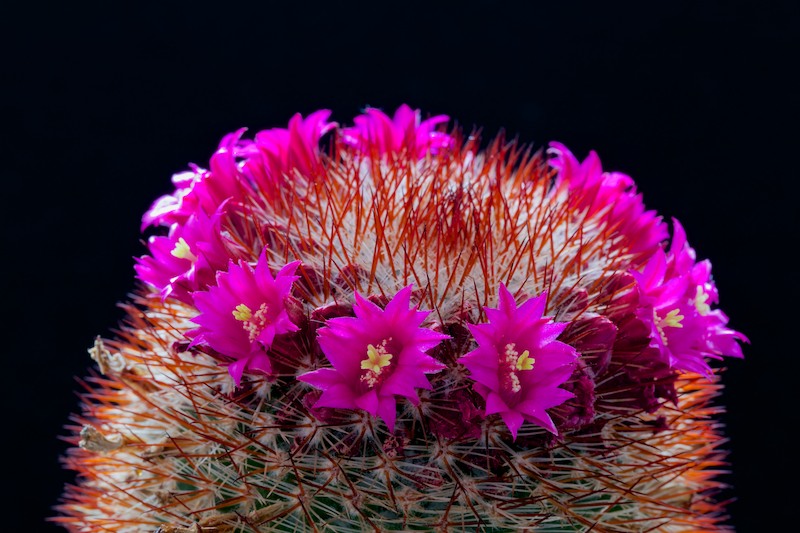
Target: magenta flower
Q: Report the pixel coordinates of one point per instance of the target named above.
(242, 314)
(169, 209)
(376, 355)
(281, 151)
(374, 130)
(518, 364)
(239, 166)
(675, 298)
(186, 260)
(610, 194)
(205, 190)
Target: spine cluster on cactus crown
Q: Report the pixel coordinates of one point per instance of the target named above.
(385, 327)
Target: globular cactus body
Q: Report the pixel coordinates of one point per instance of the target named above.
(405, 332)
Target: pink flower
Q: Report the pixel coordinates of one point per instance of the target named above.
(239, 166)
(612, 194)
(376, 355)
(518, 364)
(186, 260)
(169, 209)
(281, 151)
(242, 314)
(204, 190)
(374, 130)
(675, 298)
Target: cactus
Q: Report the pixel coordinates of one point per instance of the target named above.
(390, 327)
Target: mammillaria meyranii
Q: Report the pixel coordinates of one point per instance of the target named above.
(387, 327)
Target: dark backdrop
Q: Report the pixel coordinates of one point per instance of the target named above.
(696, 100)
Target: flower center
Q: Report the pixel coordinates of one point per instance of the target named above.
(253, 324)
(182, 251)
(672, 320)
(377, 359)
(700, 300)
(513, 362)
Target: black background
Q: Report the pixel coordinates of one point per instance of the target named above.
(696, 100)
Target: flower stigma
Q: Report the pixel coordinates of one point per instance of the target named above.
(182, 251)
(242, 313)
(700, 301)
(525, 361)
(672, 320)
(514, 362)
(253, 324)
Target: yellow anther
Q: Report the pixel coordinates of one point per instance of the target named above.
(182, 251)
(525, 361)
(377, 358)
(242, 313)
(700, 300)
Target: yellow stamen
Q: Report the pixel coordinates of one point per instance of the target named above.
(377, 358)
(525, 361)
(242, 313)
(182, 251)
